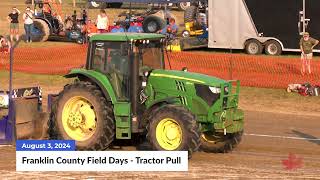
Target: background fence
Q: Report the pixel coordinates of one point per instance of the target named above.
(256, 71)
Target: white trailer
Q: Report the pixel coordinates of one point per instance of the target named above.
(272, 26)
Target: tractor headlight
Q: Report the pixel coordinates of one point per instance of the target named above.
(215, 90)
(146, 73)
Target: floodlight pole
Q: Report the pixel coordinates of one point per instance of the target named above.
(10, 73)
(11, 116)
(12, 47)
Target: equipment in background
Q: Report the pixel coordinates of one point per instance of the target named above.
(21, 116)
(49, 24)
(305, 89)
(151, 20)
(195, 20)
(245, 25)
(101, 4)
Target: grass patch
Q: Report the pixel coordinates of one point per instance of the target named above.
(278, 100)
(27, 80)
(264, 99)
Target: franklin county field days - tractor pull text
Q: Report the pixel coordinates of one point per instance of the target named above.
(100, 160)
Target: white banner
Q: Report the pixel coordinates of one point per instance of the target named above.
(102, 161)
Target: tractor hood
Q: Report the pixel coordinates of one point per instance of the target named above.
(195, 78)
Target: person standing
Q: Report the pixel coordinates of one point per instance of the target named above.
(28, 24)
(5, 45)
(171, 29)
(307, 44)
(13, 19)
(117, 28)
(102, 22)
(135, 28)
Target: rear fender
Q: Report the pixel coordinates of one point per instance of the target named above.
(169, 100)
(97, 78)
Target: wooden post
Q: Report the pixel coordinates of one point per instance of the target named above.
(32, 2)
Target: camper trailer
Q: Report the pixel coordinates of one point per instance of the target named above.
(261, 26)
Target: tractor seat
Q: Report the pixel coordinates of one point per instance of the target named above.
(117, 83)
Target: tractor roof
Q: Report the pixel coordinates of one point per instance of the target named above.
(124, 36)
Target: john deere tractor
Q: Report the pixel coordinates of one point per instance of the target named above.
(125, 90)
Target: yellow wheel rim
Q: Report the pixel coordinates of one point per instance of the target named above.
(79, 118)
(169, 134)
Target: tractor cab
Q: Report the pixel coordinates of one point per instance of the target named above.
(122, 59)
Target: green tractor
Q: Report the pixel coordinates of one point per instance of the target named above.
(125, 90)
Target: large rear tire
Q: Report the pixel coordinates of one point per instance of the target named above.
(153, 24)
(41, 30)
(173, 128)
(219, 143)
(190, 14)
(83, 114)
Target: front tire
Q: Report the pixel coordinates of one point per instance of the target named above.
(219, 143)
(173, 128)
(190, 14)
(81, 113)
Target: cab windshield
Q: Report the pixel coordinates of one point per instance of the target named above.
(113, 60)
(152, 55)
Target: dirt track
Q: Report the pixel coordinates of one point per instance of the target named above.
(256, 157)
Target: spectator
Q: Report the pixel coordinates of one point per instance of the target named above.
(91, 27)
(84, 16)
(135, 28)
(171, 29)
(102, 22)
(74, 20)
(13, 18)
(307, 44)
(68, 23)
(117, 28)
(28, 23)
(4, 45)
(46, 9)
